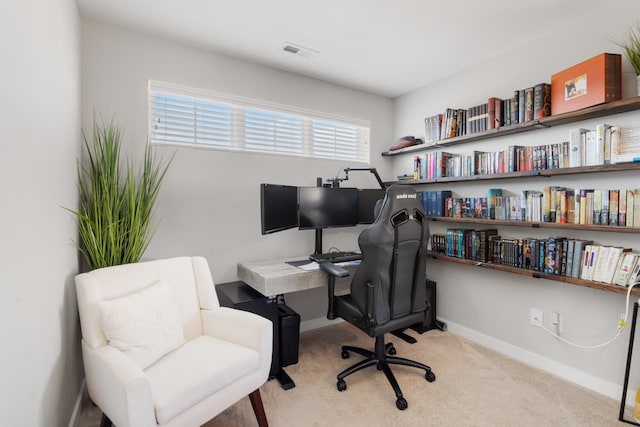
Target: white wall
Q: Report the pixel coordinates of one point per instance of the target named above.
(209, 204)
(493, 307)
(40, 109)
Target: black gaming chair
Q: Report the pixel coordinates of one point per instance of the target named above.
(388, 290)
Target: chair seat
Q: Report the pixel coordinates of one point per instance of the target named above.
(345, 308)
(195, 370)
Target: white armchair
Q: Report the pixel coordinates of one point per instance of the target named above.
(159, 350)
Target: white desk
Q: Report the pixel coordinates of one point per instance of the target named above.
(276, 277)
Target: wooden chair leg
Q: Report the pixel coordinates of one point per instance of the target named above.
(258, 408)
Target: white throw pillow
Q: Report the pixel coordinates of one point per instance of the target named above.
(144, 325)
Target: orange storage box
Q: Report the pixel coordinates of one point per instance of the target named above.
(594, 81)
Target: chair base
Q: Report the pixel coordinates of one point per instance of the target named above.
(382, 357)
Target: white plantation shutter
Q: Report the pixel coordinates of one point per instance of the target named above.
(185, 116)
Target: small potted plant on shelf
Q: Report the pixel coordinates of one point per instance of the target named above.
(116, 201)
(631, 49)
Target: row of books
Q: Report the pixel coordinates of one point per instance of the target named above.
(525, 105)
(577, 258)
(515, 158)
(532, 103)
(600, 146)
(616, 207)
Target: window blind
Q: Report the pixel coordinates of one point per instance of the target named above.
(184, 116)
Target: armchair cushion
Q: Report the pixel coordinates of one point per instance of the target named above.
(144, 325)
(200, 368)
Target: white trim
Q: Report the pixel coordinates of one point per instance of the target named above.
(77, 408)
(556, 368)
(319, 322)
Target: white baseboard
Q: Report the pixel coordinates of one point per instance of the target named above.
(556, 368)
(75, 415)
(316, 323)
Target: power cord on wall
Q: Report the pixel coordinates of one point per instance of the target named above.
(619, 327)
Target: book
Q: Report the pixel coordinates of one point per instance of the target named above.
(528, 104)
(576, 143)
(541, 100)
(601, 143)
(612, 263)
(613, 206)
(433, 128)
(591, 148)
(634, 277)
(631, 208)
(636, 207)
(492, 194)
(440, 197)
(622, 207)
(623, 273)
(599, 264)
(579, 257)
(591, 255)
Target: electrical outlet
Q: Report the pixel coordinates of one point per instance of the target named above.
(535, 317)
(555, 322)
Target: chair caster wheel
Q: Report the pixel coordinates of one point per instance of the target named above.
(391, 350)
(401, 403)
(341, 385)
(430, 376)
(345, 354)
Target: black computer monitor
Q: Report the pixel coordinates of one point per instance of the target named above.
(326, 207)
(278, 207)
(367, 199)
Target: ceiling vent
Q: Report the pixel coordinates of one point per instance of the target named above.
(298, 50)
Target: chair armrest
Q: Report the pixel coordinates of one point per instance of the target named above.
(333, 270)
(240, 327)
(118, 386)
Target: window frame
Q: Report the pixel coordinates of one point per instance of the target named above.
(252, 126)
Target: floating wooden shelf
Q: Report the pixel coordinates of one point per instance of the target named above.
(615, 107)
(537, 274)
(532, 224)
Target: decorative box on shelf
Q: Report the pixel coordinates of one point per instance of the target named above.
(594, 81)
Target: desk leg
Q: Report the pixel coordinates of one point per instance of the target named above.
(284, 379)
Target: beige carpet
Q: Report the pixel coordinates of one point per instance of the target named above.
(474, 387)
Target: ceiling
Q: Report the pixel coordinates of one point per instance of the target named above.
(385, 47)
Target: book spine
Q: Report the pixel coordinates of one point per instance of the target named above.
(541, 101)
(528, 104)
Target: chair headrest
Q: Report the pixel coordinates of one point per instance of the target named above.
(398, 198)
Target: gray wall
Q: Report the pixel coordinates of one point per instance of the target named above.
(209, 204)
(40, 133)
(493, 307)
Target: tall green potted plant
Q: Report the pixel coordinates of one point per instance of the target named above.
(116, 200)
(631, 48)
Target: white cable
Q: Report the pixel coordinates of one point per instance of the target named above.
(621, 324)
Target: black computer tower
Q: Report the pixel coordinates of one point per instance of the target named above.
(429, 321)
(289, 323)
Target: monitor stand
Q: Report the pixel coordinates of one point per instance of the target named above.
(318, 248)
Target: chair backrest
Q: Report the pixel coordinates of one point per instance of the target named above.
(394, 257)
(188, 277)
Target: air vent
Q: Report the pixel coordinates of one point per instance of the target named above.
(298, 50)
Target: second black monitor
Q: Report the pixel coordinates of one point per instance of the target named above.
(325, 207)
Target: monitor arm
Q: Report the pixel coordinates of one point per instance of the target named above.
(335, 182)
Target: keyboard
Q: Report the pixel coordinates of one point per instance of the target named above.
(336, 256)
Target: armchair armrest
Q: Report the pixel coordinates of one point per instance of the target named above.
(240, 327)
(118, 386)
